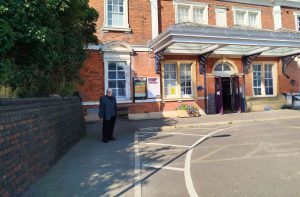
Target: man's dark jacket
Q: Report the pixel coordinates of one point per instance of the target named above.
(107, 107)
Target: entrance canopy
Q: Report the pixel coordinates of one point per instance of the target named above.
(190, 38)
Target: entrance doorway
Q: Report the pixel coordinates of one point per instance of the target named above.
(227, 93)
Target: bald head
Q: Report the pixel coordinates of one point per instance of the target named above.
(109, 92)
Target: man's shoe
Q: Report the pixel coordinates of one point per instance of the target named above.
(113, 139)
(105, 141)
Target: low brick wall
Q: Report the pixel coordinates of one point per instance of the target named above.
(34, 134)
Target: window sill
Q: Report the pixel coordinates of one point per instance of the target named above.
(262, 97)
(121, 29)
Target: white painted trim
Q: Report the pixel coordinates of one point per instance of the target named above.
(120, 101)
(221, 10)
(115, 56)
(154, 18)
(125, 19)
(274, 76)
(96, 47)
(246, 19)
(140, 48)
(191, 5)
(277, 17)
(87, 103)
(123, 29)
(148, 101)
(296, 15)
(225, 73)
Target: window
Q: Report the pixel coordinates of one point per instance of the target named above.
(298, 23)
(268, 79)
(196, 13)
(116, 15)
(183, 13)
(221, 17)
(178, 80)
(186, 79)
(170, 79)
(257, 79)
(247, 17)
(116, 78)
(297, 20)
(263, 84)
(223, 69)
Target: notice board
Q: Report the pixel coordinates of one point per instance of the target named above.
(140, 87)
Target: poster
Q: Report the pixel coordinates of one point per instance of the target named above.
(140, 90)
(153, 86)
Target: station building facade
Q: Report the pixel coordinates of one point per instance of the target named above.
(223, 56)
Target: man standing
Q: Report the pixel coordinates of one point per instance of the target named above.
(108, 111)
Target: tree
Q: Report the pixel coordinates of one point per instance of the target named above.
(42, 44)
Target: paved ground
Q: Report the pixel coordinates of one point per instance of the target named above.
(249, 159)
(235, 161)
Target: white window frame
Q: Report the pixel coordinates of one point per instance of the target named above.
(274, 77)
(221, 10)
(246, 19)
(296, 15)
(118, 57)
(191, 5)
(178, 80)
(125, 27)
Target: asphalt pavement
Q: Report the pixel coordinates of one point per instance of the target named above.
(256, 155)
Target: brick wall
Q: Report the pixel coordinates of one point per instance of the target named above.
(34, 134)
(92, 75)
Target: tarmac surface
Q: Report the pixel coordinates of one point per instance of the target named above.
(250, 154)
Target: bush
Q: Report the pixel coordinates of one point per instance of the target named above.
(42, 45)
(192, 110)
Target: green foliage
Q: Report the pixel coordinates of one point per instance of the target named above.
(192, 110)
(42, 44)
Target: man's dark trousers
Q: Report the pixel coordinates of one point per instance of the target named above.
(108, 128)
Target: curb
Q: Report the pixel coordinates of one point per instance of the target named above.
(166, 128)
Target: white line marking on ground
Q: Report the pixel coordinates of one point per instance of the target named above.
(163, 167)
(167, 133)
(137, 167)
(187, 167)
(293, 127)
(171, 145)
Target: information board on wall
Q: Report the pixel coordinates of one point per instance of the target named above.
(140, 87)
(153, 87)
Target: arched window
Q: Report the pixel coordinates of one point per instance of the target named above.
(223, 69)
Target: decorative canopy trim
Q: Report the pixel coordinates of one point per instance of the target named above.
(247, 61)
(202, 61)
(285, 62)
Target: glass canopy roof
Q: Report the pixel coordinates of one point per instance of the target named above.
(190, 38)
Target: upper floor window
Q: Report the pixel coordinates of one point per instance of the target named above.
(247, 17)
(191, 12)
(298, 23)
(297, 20)
(221, 17)
(116, 15)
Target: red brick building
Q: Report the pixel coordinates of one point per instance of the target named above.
(223, 56)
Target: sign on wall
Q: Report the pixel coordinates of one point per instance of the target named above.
(153, 86)
(140, 89)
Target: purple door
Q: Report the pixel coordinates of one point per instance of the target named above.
(235, 94)
(218, 95)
